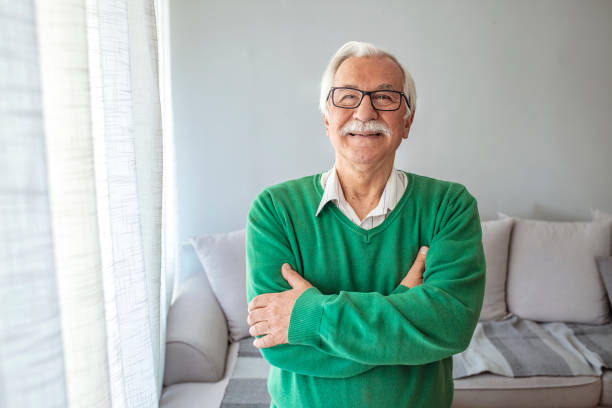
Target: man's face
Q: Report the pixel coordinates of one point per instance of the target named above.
(367, 74)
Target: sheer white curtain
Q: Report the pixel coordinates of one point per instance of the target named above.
(87, 204)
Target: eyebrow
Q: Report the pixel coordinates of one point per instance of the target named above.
(381, 86)
(385, 86)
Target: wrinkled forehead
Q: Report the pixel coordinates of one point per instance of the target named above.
(369, 73)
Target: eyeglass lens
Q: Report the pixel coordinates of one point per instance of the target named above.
(350, 98)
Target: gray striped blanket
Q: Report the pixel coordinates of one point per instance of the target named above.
(513, 347)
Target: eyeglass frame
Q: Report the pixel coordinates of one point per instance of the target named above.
(363, 94)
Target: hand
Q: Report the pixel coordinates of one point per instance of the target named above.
(270, 313)
(415, 274)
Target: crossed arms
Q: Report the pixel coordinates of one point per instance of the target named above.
(417, 326)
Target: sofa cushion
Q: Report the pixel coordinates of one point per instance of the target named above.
(196, 337)
(552, 273)
(200, 394)
(223, 257)
(495, 240)
(606, 389)
(491, 390)
(599, 215)
(604, 265)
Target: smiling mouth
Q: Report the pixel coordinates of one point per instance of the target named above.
(365, 134)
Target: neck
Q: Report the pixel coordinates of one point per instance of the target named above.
(363, 186)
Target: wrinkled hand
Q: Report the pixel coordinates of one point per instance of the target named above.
(270, 313)
(414, 277)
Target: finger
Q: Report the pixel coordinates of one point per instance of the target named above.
(258, 301)
(419, 262)
(265, 341)
(257, 315)
(290, 275)
(422, 253)
(259, 329)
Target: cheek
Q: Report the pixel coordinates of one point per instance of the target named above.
(396, 126)
(338, 119)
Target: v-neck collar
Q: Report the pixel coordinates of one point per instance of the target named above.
(367, 233)
(332, 191)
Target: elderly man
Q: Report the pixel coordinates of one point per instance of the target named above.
(339, 311)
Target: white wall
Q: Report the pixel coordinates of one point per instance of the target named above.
(514, 99)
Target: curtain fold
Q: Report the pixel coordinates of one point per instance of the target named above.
(31, 351)
(72, 194)
(170, 260)
(97, 188)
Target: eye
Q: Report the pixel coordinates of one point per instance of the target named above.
(383, 97)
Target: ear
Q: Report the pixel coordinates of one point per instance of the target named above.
(326, 121)
(408, 123)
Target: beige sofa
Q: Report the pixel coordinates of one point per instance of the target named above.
(204, 324)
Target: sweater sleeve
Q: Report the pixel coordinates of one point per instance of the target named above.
(267, 249)
(413, 326)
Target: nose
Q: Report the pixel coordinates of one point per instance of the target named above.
(365, 111)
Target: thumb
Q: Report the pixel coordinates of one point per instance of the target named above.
(291, 276)
(423, 252)
(420, 259)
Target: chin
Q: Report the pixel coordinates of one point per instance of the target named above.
(365, 159)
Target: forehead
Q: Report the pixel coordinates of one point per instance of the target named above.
(369, 73)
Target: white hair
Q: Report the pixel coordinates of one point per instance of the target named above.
(362, 49)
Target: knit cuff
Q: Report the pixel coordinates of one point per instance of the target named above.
(306, 318)
(400, 289)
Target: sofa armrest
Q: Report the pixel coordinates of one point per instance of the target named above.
(197, 334)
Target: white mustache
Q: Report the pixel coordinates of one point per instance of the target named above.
(371, 126)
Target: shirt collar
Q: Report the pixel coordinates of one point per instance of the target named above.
(333, 192)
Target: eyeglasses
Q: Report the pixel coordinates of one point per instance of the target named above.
(350, 98)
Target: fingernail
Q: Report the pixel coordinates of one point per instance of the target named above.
(424, 250)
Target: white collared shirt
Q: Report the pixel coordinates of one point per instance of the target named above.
(394, 189)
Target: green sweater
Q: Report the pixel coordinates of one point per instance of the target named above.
(358, 338)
